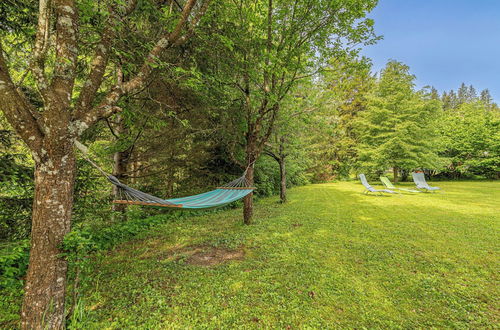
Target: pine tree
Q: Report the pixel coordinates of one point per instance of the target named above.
(434, 93)
(472, 94)
(462, 94)
(487, 100)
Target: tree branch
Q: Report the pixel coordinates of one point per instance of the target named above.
(66, 51)
(17, 109)
(100, 60)
(40, 49)
(107, 107)
(194, 22)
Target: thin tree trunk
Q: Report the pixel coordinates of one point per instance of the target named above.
(248, 200)
(395, 172)
(120, 167)
(282, 179)
(43, 305)
(281, 162)
(251, 152)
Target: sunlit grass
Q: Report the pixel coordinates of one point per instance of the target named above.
(331, 257)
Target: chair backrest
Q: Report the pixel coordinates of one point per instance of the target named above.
(419, 179)
(365, 183)
(387, 182)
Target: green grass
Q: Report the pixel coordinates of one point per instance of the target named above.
(330, 258)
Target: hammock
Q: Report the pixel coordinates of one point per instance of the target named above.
(223, 195)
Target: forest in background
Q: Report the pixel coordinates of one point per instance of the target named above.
(277, 88)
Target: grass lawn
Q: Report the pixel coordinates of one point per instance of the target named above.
(330, 258)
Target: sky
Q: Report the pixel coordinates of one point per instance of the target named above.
(445, 42)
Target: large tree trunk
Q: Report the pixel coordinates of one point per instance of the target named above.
(43, 305)
(282, 179)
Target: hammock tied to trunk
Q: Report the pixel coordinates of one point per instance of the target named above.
(223, 195)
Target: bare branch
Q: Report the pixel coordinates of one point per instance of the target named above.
(271, 154)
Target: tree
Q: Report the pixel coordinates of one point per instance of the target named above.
(348, 83)
(470, 138)
(449, 100)
(487, 100)
(273, 45)
(397, 130)
(69, 103)
(289, 138)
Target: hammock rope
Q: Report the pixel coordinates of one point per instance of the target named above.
(222, 195)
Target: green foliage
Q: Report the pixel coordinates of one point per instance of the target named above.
(14, 259)
(13, 263)
(399, 127)
(267, 176)
(471, 140)
(186, 131)
(16, 186)
(85, 240)
(346, 85)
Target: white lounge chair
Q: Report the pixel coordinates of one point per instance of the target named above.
(420, 182)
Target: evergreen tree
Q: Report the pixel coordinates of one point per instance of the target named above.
(487, 100)
(472, 94)
(434, 93)
(463, 94)
(449, 100)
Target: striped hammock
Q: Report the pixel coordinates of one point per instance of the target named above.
(223, 195)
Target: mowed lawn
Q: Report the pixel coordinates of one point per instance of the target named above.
(330, 258)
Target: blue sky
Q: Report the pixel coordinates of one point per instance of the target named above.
(445, 42)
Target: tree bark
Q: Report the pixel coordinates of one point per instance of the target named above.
(120, 166)
(43, 305)
(248, 200)
(282, 179)
(251, 152)
(281, 161)
(395, 170)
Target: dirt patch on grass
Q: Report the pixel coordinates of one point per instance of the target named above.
(214, 257)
